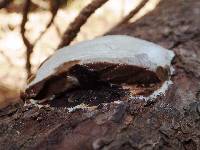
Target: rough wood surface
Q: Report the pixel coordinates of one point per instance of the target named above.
(171, 122)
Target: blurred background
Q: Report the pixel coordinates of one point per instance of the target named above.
(13, 73)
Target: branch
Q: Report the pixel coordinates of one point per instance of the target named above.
(79, 21)
(27, 43)
(132, 13)
(57, 30)
(7, 58)
(54, 9)
(5, 3)
(29, 46)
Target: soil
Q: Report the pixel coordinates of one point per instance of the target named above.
(172, 121)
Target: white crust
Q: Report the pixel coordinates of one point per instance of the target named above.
(113, 49)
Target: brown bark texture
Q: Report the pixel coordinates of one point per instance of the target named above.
(170, 122)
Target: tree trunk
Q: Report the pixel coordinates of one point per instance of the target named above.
(171, 122)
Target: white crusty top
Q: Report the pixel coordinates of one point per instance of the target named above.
(112, 49)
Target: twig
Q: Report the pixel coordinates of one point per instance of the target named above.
(132, 13)
(29, 46)
(7, 58)
(5, 3)
(57, 30)
(79, 21)
(54, 9)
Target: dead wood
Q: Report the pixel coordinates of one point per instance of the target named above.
(170, 122)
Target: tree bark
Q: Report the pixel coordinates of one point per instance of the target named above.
(171, 122)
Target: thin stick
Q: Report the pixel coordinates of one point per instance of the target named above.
(132, 13)
(27, 43)
(79, 21)
(54, 9)
(6, 58)
(57, 30)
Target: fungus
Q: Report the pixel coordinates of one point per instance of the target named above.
(133, 64)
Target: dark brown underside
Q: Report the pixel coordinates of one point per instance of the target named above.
(93, 76)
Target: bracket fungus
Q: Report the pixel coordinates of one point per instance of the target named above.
(133, 64)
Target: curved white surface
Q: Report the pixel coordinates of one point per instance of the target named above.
(112, 48)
